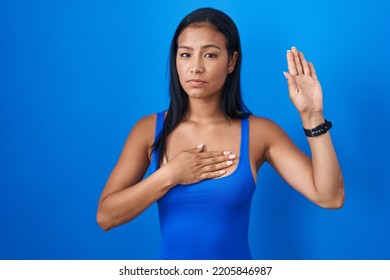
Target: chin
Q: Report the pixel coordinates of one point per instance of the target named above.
(201, 93)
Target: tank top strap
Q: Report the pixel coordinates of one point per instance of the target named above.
(244, 145)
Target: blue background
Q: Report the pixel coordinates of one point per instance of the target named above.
(76, 75)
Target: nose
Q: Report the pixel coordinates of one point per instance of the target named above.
(195, 71)
(197, 66)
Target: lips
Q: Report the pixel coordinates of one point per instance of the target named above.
(196, 82)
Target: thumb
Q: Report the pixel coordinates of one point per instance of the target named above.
(292, 86)
(199, 148)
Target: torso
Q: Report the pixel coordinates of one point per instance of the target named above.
(196, 218)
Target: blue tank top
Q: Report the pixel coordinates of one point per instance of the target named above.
(209, 219)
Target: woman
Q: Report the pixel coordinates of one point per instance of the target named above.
(206, 149)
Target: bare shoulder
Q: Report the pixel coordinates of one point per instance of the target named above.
(146, 124)
(264, 127)
(145, 127)
(141, 137)
(264, 134)
(259, 121)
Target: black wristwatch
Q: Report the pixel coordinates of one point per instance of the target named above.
(318, 130)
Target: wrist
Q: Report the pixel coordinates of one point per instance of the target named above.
(168, 179)
(311, 120)
(318, 130)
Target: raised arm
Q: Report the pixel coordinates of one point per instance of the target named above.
(319, 178)
(126, 194)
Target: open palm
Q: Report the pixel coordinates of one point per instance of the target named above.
(304, 88)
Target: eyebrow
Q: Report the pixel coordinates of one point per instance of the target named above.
(202, 47)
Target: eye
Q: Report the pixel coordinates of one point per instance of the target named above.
(210, 55)
(184, 55)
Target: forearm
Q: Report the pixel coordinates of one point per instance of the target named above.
(123, 206)
(327, 176)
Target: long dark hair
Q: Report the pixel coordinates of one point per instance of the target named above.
(232, 104)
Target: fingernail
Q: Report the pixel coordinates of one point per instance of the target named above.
(222, 172)
(288, 51)
(226, 153)
(293, 47)
(232, 157)
(229, 163)
(200, 146)
(285, 74)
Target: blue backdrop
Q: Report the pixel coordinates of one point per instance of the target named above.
(76, 75)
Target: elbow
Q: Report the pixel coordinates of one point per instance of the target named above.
(337, 201)
(334, 204)
(102, 221)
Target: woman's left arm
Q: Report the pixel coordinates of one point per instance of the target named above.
(318, 178)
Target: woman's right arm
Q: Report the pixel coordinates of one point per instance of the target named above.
(126, 195)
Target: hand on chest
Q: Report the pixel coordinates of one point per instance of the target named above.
(224, 136)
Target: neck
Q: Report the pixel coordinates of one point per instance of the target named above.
(204, 111)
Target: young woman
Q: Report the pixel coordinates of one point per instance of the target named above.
(206, 149)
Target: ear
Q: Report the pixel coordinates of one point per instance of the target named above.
(232, 62)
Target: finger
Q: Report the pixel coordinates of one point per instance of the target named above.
(218, 159)
(297, 60)
(313, 73)
(212, 154)
(292, 85)
(291, 64)
(199, 148)
(305, 65)
(217, 166)
(211, 175)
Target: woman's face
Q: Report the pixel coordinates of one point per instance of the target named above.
(203, 61)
